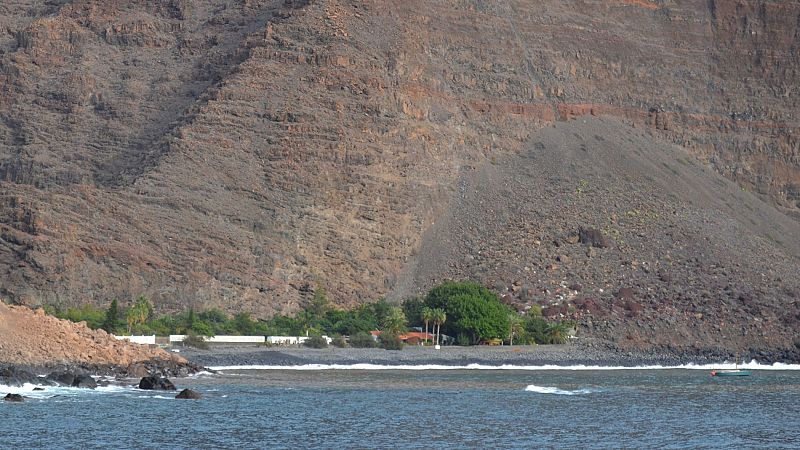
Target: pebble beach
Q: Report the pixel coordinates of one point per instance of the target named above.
(576, 353)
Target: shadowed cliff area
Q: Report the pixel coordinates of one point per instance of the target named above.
(242, 153)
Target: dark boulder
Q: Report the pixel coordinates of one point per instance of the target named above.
(12, 376)
(189, 394)
(138, 370)
(84, 381)
(593, 237)
(13, 398)
(156, 383)
(62, 378)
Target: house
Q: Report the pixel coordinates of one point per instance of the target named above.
(410, 338)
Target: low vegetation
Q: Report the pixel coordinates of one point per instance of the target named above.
(465, 313)
(316, 341)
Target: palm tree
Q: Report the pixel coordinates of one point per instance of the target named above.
(395, 322)
(439, 317)
(514, 326)
(427, 316)
(139, 312)
(558, 332)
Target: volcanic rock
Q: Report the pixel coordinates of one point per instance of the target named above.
(156, 383)
(13, 398)
(189, 394)
(84, 381)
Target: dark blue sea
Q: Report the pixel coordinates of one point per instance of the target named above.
(576, 409)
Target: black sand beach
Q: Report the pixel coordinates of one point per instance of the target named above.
(576, 353)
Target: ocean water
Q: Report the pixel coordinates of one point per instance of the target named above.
(429, 407)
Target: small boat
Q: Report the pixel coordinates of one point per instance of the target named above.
(730, 373)
(735, 372)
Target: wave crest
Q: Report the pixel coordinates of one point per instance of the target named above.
(753, 365)
(556, 391)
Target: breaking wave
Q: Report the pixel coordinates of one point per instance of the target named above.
(33, 391)
(753, 365)
(557, 391)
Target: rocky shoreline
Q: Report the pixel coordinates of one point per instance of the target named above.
(587, 353)
(64, 374)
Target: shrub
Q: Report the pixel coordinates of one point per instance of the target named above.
(196, 341)
(339, 341)
(362, 340)
(316, 341)
(390, 341)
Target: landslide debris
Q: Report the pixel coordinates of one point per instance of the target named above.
(640, 243)
(31, 338)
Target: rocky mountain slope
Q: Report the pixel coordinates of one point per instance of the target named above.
(241, 153)
(598, 222)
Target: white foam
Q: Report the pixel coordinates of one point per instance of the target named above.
(28, 391)
(201, 373)
(753, 365)
(557, 391)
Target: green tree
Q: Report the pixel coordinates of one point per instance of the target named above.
(439, 317)
(139, 312)
(395, 320)
(558, 333)
(536, 330)
(412, 307)
(243, 324)
(427, 316)
(381, 310)
(111, 321)
(472, 310)
(515, 327)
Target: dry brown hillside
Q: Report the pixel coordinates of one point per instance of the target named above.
(240, 153)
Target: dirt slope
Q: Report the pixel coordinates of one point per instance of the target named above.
(31, 338)
(692, 259)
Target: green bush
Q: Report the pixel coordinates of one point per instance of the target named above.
(339, 341)
(362, 340)
(463, 340)
(316, 342)
(536, 330)
(390, 341)
(196, 341)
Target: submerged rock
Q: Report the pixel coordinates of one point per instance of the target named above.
(13, 398)
(189, 394)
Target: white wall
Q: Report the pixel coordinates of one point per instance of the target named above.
(292, 340)
(222, 339)
(146, 340)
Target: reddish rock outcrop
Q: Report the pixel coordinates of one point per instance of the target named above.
(32, 338)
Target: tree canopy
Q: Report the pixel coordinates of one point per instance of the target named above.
(472, 310)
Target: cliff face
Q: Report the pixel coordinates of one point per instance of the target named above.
(240, 153)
